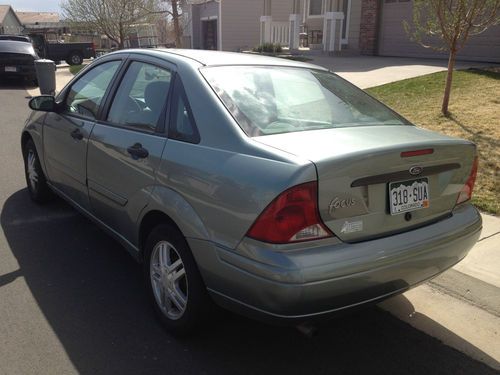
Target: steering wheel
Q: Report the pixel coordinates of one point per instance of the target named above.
(134, 105)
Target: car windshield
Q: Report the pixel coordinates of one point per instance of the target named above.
(270, 100)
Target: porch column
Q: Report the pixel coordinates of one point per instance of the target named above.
(265, 29)
(294, 38)
(266, 23)
(332, 31)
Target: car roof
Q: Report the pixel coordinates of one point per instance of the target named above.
(217, 58)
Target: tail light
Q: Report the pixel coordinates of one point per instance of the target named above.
(291, 217)
(466, 192)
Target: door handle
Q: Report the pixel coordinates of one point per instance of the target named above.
(138, 152)
(77, 134)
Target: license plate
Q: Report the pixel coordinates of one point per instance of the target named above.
(408, 195)
(10, 69)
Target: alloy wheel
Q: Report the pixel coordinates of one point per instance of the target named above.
(168, 280)
(32, 173)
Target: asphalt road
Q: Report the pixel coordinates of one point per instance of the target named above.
(71, 301)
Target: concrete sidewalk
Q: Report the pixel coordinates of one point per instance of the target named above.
(370, 71)
(461, 307)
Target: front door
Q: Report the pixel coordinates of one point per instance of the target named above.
(125, 149)
(66, 133)
(209, 29)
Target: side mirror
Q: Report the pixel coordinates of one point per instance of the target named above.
(44, 103)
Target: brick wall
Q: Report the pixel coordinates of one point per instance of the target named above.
(368, 31)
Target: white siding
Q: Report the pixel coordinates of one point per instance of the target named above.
(241, 24)
(281, 10)
(11, 25)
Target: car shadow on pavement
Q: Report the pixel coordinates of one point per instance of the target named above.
(15, 83)
(90, 292)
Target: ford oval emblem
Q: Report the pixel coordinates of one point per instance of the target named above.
(415, 171)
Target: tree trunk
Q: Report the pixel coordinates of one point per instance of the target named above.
(449, 78)
(121, 44)
(177, 27)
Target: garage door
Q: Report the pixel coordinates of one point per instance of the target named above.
(395, 42)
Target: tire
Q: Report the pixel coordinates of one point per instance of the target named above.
(35, 178)
(75, 58)
(179, 296)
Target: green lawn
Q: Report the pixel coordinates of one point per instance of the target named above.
(475, 115)
(74, 69)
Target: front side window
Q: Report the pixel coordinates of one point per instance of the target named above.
(270, 100)
(141, 96)
(86, 94)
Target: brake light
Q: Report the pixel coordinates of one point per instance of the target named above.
(409, 154)
(291, 217)
(466, 192)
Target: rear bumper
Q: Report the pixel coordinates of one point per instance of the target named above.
(325, 277)
(21, 71)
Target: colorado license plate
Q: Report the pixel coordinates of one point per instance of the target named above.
(10, 69)
(408, 195)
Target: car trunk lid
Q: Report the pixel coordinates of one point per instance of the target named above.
(360, 168)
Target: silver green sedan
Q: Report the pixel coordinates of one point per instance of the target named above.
(269, 187)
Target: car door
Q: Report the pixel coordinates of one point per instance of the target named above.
(66, 133)
(125, 148)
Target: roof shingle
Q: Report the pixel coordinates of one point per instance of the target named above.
(40, 17)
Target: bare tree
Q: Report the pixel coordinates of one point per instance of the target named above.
(113, 18)
(447, 25)
(174, 11)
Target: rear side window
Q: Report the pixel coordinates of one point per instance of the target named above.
(86, 94)
(182, 125)
(141, 97)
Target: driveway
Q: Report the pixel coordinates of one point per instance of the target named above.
(369, 71)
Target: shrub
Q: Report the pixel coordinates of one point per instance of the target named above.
(268, 48)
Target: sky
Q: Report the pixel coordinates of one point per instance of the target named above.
(34, 5)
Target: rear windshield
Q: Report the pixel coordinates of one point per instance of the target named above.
(271, 100)
(12, 46)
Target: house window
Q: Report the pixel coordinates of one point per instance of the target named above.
(315, 7)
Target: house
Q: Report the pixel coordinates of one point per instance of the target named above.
(142, 35)
(230, 25)
(9, 22)
(370, 27)
(33, 21)
(393, 41)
